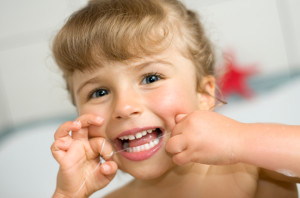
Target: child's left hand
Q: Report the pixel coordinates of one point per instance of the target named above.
(204, 137)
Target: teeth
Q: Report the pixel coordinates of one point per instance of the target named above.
(143, 147)
(137, 135)
(149, 131)
(148, 146)
(131, 137)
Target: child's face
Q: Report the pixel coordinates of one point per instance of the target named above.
(133, 97)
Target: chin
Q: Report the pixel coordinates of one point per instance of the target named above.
(149, 169)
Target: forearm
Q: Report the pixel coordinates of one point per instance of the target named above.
(271, 146)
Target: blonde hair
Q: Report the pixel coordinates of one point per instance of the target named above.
(120, 30)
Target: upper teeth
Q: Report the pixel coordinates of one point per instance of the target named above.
(137, 135)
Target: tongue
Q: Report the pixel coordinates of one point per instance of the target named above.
(145, 139)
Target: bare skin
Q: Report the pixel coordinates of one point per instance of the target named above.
(207, 155)
(240, 181)
(232, 180)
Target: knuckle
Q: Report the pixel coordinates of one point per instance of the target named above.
(177, 160)
(54, 147)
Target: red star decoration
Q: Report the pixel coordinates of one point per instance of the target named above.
(234, 81)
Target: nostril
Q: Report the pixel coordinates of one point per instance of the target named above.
(127, 115)
(127, 111)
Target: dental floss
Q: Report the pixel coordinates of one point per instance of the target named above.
(102, 160)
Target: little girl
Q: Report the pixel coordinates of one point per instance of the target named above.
(141, 75)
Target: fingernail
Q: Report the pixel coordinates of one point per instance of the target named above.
(179, 117)
(106, 167)
(99, 119)
(77, 123)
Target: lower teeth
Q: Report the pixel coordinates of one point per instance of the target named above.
(143, 147)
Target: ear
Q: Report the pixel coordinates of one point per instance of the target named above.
(206, 93)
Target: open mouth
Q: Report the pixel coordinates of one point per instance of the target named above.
(141, 141)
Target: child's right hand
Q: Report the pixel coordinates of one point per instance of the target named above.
(79, 174)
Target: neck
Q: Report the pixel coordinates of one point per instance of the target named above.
(178, 177)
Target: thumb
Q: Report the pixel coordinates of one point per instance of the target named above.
(109, 168)
(179, 117)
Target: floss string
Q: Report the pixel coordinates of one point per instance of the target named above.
(102, 160)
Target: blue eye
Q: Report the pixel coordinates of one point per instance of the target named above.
(151, 78)
(99, 93)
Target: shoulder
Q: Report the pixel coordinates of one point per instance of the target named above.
(276, 189)
(273, 184)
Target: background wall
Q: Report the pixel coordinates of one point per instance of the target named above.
(259, 31)
(33, 100)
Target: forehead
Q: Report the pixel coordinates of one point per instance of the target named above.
(169, 56)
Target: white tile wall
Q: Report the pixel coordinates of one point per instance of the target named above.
(251, 28)
(31, 83)
(290, 23)
(31, 89)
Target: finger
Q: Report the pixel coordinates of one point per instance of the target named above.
(106, 173)
(85, 121)
(176, 144)
(177, 130)
(89, 119)
(74, 154)
(181, 158)
(61, 145)
(64, 129)
(58, 149)
(109, 169)
(179, 117)
(81, 134)
(100, 146)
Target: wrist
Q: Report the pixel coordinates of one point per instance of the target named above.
(59, 195)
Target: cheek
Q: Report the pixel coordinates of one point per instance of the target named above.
(170, 101)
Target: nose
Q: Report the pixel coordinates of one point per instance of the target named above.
(127, 104)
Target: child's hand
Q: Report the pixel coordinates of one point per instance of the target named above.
(79, 174)
(204, 137)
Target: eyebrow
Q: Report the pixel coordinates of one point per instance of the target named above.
(137, 67)
(90, 81)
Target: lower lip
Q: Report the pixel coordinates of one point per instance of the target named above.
(142, 155)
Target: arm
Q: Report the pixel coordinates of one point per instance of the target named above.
(274, 147)
(210, 138)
